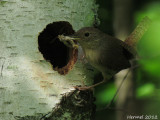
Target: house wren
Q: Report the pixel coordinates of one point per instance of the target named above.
(107, 54)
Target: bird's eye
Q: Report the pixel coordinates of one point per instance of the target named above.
(86, 34)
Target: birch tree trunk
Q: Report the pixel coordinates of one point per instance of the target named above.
(29, 87)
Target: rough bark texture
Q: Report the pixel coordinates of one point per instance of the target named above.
(29, 87)
(76, 105)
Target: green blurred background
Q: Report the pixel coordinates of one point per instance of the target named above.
(146, 99)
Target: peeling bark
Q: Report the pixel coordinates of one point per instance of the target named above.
(76, 105)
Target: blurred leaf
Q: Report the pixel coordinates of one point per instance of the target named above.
(145, 90)
(151, 66)
(105, 95)
(149, 45)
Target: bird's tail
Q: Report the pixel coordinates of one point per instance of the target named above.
(138, 32)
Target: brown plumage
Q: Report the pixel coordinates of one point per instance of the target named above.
(107, 54)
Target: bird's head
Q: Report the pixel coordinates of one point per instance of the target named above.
(87, 37)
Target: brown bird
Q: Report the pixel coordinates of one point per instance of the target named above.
(107, 54)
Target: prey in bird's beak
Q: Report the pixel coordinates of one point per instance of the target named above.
(69, 41)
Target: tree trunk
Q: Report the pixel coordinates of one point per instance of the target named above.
(29, 87)
(123, 13)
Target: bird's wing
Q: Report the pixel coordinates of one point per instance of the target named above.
(129, 51)
(114, 55)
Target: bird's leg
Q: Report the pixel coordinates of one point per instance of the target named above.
(90, 87)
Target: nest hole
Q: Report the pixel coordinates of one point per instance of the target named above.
(60, 56)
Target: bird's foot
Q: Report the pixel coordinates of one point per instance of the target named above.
(89, 87)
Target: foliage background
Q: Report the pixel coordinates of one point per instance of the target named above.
(147, 76)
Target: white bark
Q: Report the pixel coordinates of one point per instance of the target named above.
(28, 84)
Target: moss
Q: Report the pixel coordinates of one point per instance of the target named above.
(76, 105)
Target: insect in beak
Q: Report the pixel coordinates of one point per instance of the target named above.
(69, 41)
